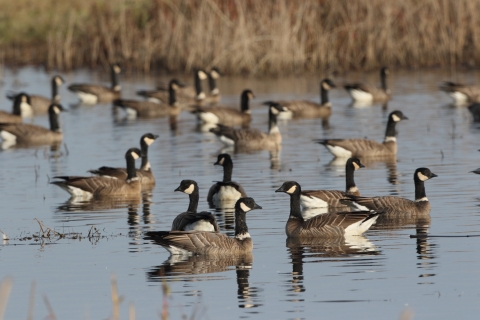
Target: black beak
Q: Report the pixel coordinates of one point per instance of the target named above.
(433, 175)
(256, 206)
(280, 189)
(361, 165)
(178, 189)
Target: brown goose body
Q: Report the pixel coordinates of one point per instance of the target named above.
(147, 109)
(461, 93)
(360, 92)
(93, 93)
(22, 107)
(6, 117)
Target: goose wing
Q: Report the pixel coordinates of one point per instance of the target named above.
(354, 145)
(24, 131)
(94, 185)
(119, 173)
(334, 198)
(6, 117)
(186, 218)
(96, 90)
(388, 204)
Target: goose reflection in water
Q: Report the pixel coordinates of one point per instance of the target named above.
(195, 268)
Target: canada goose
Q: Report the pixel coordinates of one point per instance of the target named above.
(363, 147)
(191, 219)
(332, 198)
(253, 139)
(228, 116)
(367, 93)
(461, 93)
(148, 109)
(309, 109)
(210, 243)
(145, 173)
(400, 206)
(94, 93)
(30, 134)
(40, 104)
(227, 190)
(474, 109)
(98, 186)
(477, 171)
(214, 96)
(21, 108)
(185, 94)
(334, 224)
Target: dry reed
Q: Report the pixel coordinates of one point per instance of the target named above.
(240, 36)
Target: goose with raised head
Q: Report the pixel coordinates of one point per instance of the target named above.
(145, 173)
(366, 93)
(347, 148)
(461, 93)
(210, 243)
(398, 206)
(309, 109)
(227, 116)
(21, 108)
(148, 109)
(214, 95)
(40, 104)
(226, 190)
(334, 224)
(253, 139)
(333, 198)
(101, 186)
(94, 93)
(191, 219)
(30, 134)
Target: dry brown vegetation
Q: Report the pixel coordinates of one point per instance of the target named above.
(240, 36)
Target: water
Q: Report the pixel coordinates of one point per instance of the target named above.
(376, 277)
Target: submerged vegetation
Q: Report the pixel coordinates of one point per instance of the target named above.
(259, 37)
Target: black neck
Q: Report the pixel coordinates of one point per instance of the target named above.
(198, 84)
(144, 147)
(55, 96)
(419, 188)
(194, 196)
(383, 78)
(349, 171)
(114, 79)
(295, 211)
(272, 121)
(212, 83)
(53, 117)
(244, 102)
(172, 95)
(227, 170)
(323, 94)
(240, 221)
(390, 132)
(131, 172)
(17, 110)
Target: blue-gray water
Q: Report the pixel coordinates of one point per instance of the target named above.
(375, 277)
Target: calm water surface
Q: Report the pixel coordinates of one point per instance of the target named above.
(376, 276)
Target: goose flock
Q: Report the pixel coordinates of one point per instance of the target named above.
(343, 212)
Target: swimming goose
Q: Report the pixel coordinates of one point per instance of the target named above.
(309, 109)
(98, 186)
(225, 115)
(227, 190)
(21, 108)
(461, 93)
(191, 219)
(360, 92)
(347, 148)
(40, 104)
(214, 95)
(145, 173)
(148, 109)
(400, 206)
(30, 134)
(332, 198)
(210, 243)
(94, 93)
(253, 139)
(334, 224)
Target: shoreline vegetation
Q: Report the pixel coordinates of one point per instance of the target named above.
(240, 36)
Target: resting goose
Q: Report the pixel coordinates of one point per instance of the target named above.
(346, 148)
(365, 93)
(98, 186)
(226, 190)
(210, 243)
(94, 93)
(461, 93)
(145, 173)
(191, 219)
(21, 108)
(328, 225)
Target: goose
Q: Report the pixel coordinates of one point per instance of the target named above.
(214, 95)
(309, 109)
(191, 219)
(145, 173)
(360, 92)
(333, 198)
(474, 109)
(21, 108)
(346, 148)
(185, 94)
(400, 206)
(94, 93)
(477, 171)
(227, 190)
(225, 115)
(98, 186)
(461, 93)
(210, 243)
(148, 109)
(30, 134)
(40, 104)
(328, 225)
(253, 139)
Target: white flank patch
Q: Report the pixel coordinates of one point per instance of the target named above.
(177, 251)
(357, 206)
(422, 199)
(360, 227)
(245, 208)
(208, 117)
(227, 193)
(458, 97)
(87, 97)
(76, 192)
(313, 212)
(285, 115)
(339, 152)
(190, 189)
(8, 137)
(422, 177)
(227, 141)
(154, 100)
(359, 95)
(200, 225)
(26, 109)
(312, 202)
(131, 113)
(243, 236)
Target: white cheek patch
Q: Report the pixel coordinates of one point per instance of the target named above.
(134, 155)
(355, 166)
(56, 109)
(244, 207)
(190, 189)
(292, 189)
(396, 118)
(422, 177)
(116, 69)
(274, 110)
(148, 141)
(326, 86)
(214, 74)
(202, 75)
(58, 81)
(221, 161)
